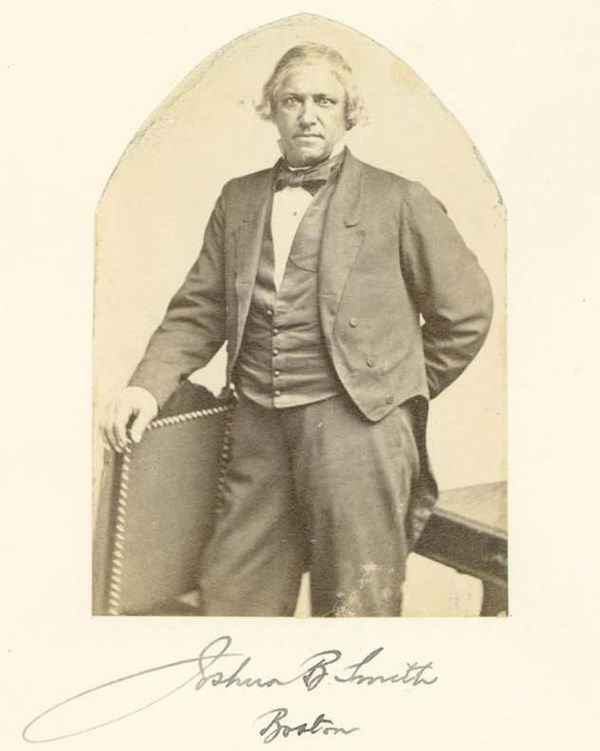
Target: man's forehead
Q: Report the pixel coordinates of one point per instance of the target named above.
(312, 75)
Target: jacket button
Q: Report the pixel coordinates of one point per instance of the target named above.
(370, 361)
(354, 322)
(389, 400)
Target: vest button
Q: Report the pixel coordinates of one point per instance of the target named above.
(370, 361)
(276, 373)
(389, 400)
(277, 392)
(275, 332)
(275, 351)
(269, 312)
(354, 322)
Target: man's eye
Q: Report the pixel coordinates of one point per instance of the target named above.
(324, 101)
(290, 101)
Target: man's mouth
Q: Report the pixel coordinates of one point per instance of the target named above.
(310, 136)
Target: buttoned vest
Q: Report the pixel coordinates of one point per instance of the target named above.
(283, 361)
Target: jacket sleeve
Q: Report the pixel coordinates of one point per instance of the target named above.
(449, 288)
(193, 328)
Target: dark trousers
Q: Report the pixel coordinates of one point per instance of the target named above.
(315, 488)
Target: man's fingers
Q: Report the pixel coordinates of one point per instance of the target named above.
(140, 424)
(113, 436)
(107, 428)
(131, 402)
(123, 413)
(105, 436)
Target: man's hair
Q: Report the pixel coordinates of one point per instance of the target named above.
(310, 54)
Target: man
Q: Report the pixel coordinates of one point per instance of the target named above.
(317, 272)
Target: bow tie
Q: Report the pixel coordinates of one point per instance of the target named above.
(309, 179)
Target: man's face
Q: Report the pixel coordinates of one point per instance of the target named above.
(309, 114)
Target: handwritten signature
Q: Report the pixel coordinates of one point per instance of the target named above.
(208, 670)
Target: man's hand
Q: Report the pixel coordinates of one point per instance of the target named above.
(132, 403)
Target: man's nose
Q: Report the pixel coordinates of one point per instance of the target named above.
(308, 114)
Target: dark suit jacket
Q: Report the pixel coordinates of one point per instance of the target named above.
(389, 255)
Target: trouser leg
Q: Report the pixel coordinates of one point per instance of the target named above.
(254, 561)
(354, 480)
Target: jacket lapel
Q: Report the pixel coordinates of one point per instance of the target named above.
(342, 238)
(248, 244)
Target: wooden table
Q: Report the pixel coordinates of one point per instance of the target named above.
(468, 531)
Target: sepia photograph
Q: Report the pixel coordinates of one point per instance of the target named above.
(298, 256)
(299, 424)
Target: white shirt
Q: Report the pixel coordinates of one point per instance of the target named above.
(289, 206)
